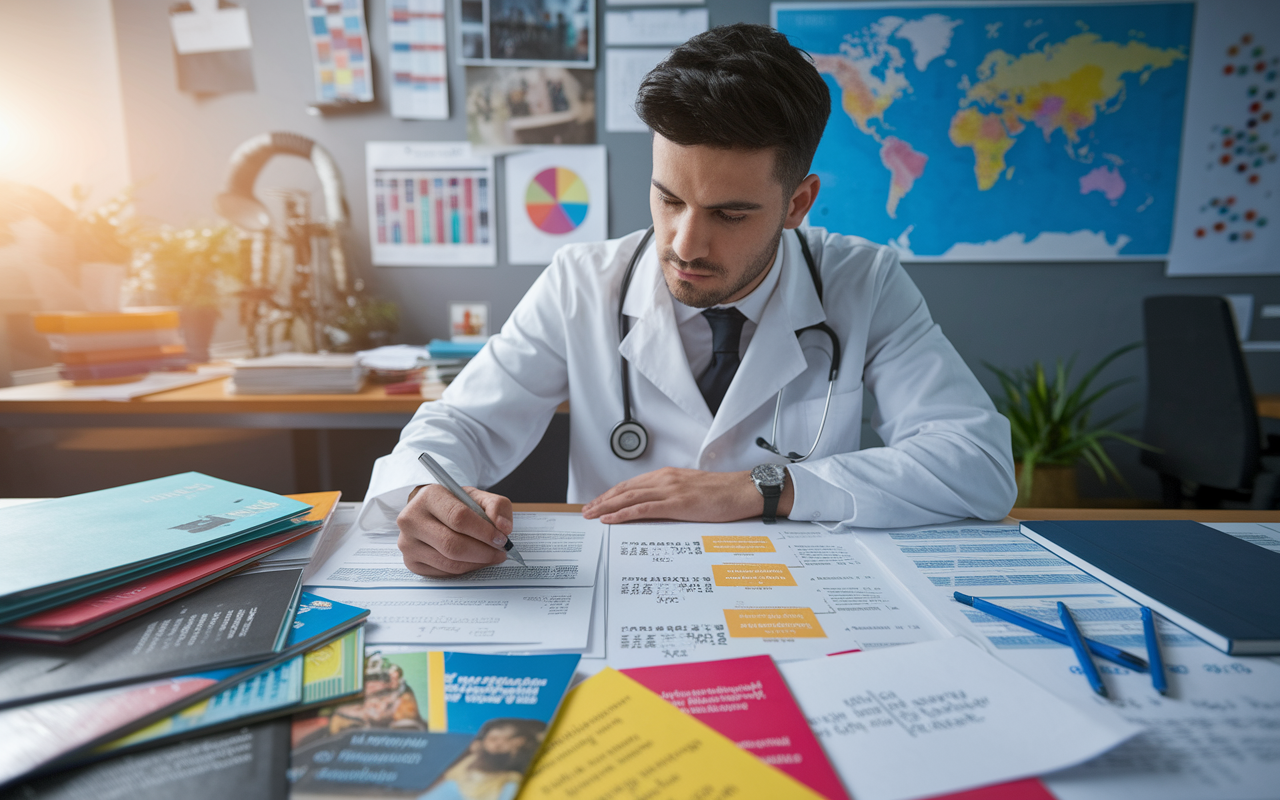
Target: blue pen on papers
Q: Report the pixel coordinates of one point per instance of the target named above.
(1082, 652)
(1153, 652)
(446, 480)
(1104, 651)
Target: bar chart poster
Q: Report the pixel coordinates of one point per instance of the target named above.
(555, 196)
(430, 205)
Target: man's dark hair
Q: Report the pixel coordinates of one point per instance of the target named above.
(740, 86)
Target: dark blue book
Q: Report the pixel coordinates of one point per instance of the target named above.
(1217, 587)
(244, 619)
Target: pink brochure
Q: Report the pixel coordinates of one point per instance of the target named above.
(746, 700)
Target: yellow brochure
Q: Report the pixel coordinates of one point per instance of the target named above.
(613, 738)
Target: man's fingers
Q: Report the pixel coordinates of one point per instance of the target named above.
(455, 515)
(443, 553)
(497, 507)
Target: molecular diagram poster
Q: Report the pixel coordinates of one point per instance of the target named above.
(1229, 181)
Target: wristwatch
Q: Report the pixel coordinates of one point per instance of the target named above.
(769, 479)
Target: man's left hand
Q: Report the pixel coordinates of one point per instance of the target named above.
(688, 495)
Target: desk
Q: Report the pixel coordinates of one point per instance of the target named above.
(1268, 405)
(208, 405)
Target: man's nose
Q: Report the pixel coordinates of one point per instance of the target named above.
(692, 238)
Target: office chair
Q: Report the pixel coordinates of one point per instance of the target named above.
(1200, 409)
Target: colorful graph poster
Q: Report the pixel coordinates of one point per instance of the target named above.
(430, 205)
(339, 50)
(419, 65)
(999, 132)
(555, 196)
(1229, 187)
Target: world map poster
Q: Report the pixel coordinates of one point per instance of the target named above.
(1001, 132)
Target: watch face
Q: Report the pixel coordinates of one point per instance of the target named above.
(768, 475)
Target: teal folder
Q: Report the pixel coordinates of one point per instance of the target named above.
(56, 549)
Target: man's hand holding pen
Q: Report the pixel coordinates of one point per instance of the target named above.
(441, 537)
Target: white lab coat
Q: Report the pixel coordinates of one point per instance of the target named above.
(947, 451)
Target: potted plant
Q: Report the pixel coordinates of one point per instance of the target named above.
(192, 268)
(1052, 430)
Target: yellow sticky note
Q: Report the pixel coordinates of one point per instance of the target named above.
(771, 623)
(614, 738)
(752, 575)
(737, 544)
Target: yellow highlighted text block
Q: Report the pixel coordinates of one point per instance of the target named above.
(737, 544)
(752, 575)
(769, 623)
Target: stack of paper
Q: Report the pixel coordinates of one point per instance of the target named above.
(299, 373)
(545, 606)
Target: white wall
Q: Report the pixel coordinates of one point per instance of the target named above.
(61, 116)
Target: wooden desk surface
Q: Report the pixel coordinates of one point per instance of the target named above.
(1268, 405)
(212, 397)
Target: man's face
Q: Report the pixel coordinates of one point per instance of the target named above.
(718, 216)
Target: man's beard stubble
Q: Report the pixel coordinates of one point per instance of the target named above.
(687, 294)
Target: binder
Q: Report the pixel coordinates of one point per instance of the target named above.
(1217, 587)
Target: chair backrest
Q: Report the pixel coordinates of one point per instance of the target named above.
(1200, 407)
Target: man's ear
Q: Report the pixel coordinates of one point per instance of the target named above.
(802, 199)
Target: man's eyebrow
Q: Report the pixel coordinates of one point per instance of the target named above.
(729, 205)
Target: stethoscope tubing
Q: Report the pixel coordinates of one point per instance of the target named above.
(630, 429)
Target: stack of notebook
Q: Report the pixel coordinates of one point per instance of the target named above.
(95, 347)
(299, 373)
(127, 606)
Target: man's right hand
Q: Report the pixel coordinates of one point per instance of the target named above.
(441, 537)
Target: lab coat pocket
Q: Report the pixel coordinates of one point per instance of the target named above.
(800, 422)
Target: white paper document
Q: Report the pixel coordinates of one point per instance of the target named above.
(683, 592)
(944, 716)
(625, 68)
(519, 619)
(1216, 734)
(559, 550)
(209, 29)
(654, 27)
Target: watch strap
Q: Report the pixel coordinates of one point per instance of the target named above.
(772, 494)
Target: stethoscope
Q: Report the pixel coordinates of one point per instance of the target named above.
(629, 438)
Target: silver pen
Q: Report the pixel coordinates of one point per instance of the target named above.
(446, 480)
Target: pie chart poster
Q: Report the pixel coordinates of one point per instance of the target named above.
(555, 196)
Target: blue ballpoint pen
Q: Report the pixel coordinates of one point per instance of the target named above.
(1153, 652)
(1104, 651)
(1082, 653)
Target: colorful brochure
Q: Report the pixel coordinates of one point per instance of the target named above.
(59, 550)
(615, 738)
(432, 725)
(746, 700)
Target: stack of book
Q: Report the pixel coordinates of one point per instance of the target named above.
(151, 611)
(95, 347)
(299, 373)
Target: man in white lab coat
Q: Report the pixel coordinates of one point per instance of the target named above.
(711, 315)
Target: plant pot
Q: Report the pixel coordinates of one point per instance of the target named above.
(1052, 486)
(197, 330)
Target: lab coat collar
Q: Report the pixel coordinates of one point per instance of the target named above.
(774, 358)
(653, 346)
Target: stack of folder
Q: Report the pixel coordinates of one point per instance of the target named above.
(146, 612)
(95, 347)
(299, 373)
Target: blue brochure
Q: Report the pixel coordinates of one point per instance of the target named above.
(54, 546)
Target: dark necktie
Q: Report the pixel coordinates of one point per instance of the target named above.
(726, 335)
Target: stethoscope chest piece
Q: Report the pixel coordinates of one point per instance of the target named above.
(629, 439)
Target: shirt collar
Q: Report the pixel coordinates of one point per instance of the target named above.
(751, 306)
